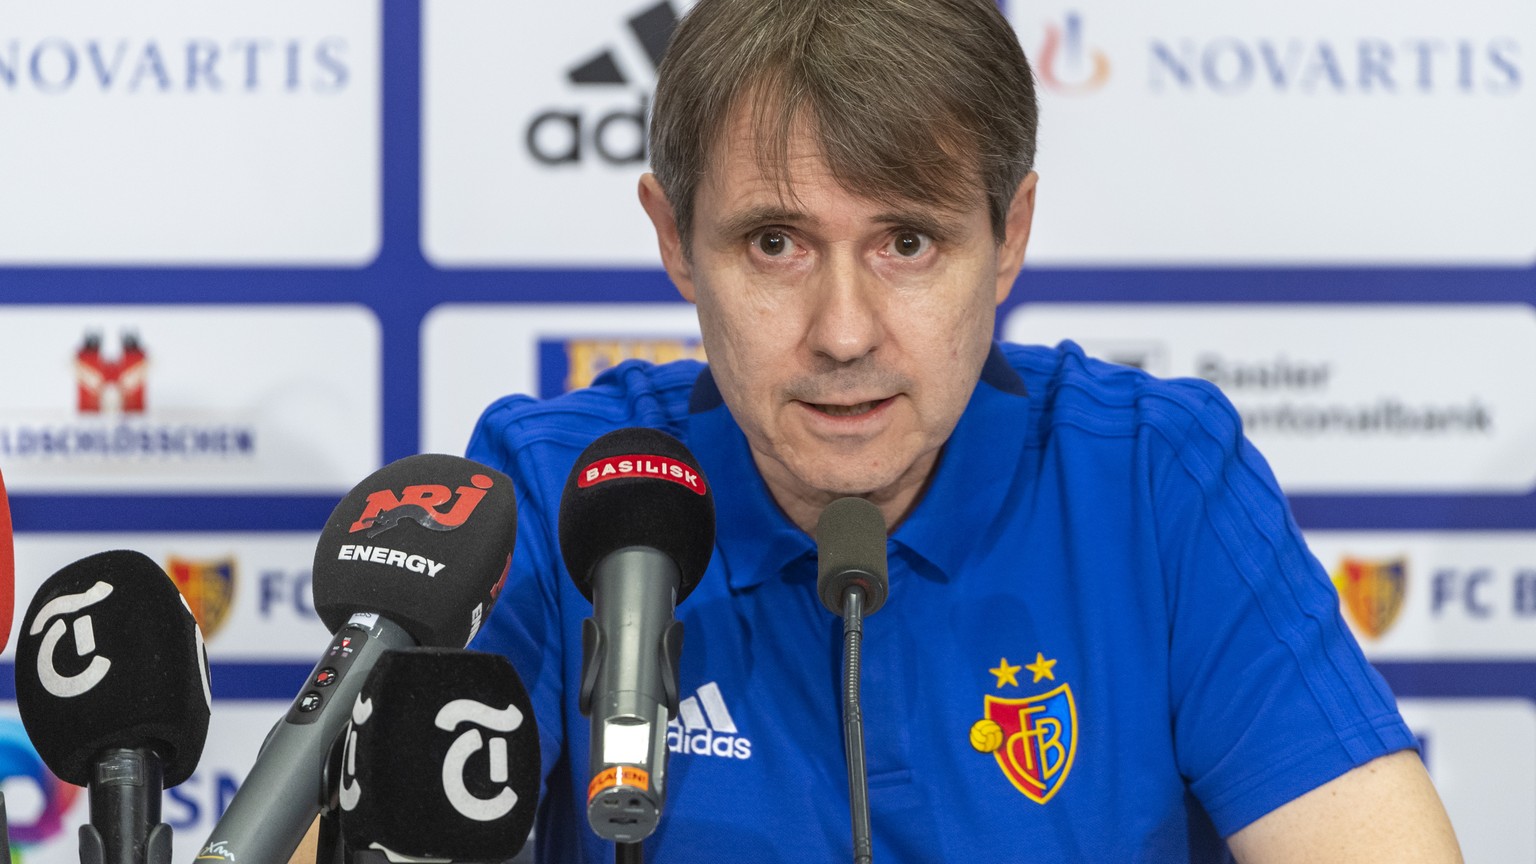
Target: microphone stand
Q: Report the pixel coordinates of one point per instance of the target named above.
(125, 826)
(853, 724)
(5, 831)
(330, 844)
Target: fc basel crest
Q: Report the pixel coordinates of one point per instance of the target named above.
(209, 588)
(1033, 738)
(1372, 592)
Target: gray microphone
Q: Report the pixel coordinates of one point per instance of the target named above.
(637, 528)
(852, 580)
(416, 554)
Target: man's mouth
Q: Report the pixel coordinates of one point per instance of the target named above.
(847, 410)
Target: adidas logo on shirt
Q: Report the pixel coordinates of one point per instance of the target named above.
(704, 727)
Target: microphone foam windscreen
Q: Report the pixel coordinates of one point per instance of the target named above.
(109, 655)
(425, 542)
(850, 551)
(441, 759)
(7, 568)
(636, 487)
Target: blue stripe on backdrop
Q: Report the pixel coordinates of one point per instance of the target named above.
(230, 680)
(109, 513)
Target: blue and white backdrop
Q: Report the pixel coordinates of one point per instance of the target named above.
(250, 251)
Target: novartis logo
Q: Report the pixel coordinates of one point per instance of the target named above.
(59, 65)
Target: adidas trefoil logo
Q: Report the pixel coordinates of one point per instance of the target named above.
(704, 727)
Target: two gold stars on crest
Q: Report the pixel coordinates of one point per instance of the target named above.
(1041, 668)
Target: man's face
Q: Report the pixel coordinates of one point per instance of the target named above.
(845, 334)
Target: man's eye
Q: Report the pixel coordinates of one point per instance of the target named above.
(773, 242)
(910, 244)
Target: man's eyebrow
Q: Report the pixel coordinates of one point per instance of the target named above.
(925, 221)
(740, 223)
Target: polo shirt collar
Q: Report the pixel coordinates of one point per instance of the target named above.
(755, 540)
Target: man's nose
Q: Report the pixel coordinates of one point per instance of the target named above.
(846, 317)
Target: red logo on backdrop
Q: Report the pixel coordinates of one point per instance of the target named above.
(424, 505)
(96, 374)
(659, 467)
(1066, 64)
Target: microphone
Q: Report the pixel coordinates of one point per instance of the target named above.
(7, 585)
(637, 527)
(7, 604)
(441, 760)
(850, 554)
(852, 580)
(112, 687)
(416, 554)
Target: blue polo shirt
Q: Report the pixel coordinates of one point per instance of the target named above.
(1105, 638)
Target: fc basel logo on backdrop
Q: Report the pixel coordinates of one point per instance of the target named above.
(209, 589)
(429, 505)
(1372, 592)
(1034, 737)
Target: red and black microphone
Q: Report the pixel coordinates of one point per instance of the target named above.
(637, 528)
(416, 554)
(7, 601)
(7, 577)
(112, 686)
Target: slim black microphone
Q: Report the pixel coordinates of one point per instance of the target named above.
(415, 554)
(637, 528)
(852, 580)
(441, 759)
(112, 686)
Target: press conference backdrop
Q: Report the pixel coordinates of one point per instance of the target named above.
(249, 252)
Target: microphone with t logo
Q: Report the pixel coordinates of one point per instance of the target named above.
(440, 760)
(112, 686)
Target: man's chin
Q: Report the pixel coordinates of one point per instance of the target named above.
(836, 481)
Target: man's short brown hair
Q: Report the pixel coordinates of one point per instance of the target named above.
(921, 100)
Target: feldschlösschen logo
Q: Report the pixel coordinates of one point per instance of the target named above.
(100, 376)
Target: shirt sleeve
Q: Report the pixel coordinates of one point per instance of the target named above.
(1271, 694)
(524, 625)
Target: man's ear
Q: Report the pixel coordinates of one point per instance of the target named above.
(1010, 254)
(673, 256)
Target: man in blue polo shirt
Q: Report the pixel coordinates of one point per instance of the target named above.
(1105, 639)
